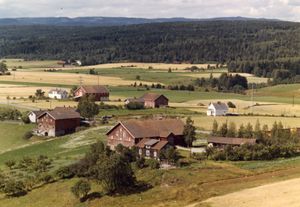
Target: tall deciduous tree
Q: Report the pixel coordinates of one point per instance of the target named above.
(189, 132)
(87, 107)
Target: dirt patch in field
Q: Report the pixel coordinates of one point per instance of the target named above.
(284, 193)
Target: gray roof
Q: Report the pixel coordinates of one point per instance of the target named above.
(58, 90)
(220, 106)
(151, 142)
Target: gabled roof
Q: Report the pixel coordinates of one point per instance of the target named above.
(230, 140)
(153, 143)
(94, 89)
(152, 96)
(152, 128)
(62, 113)
(58, 90)
(37, 113)
(220, 106)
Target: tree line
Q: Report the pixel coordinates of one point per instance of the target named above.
(270, 143)
(234, 42)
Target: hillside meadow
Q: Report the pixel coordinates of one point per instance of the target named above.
(179, 187)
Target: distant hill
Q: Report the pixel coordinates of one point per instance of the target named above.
(106, 21)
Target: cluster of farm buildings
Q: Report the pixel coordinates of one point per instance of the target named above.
(150, 136)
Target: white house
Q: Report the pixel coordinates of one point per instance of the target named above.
(33, 115)
(217, 109)
(58, 94)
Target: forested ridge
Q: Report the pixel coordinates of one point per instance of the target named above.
(246, 46)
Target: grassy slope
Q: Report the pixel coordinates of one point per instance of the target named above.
(64, 148)
(11, 135)
(177, 187)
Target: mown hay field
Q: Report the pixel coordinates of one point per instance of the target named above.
(205, 122)
(65, 78)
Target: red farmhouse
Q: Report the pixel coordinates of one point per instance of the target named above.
(58, 122)
(154, 134)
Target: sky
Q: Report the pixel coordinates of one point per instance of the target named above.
(274, 9)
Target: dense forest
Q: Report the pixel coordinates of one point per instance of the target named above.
(254, 46)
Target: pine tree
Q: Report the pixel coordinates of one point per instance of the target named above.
(215, 128)
(231, 132)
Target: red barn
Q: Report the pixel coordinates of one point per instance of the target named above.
(58, 122)
(153, 100)
(130, 133)
(100, 93)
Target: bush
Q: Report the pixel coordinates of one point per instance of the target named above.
(153, 164)
(65, 173)
(135, 106)
(231, 105)
(27, 135)
(25, 118)
(81, 189)
(14, 188)
(46, 178)
(10, 163)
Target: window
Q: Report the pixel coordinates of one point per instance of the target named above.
(140, 151)
(148, 153)
(155, 154)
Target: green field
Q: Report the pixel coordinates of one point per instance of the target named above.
(11, 135)
(15, 147)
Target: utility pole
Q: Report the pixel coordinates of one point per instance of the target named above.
(252, 93)
(80, 81)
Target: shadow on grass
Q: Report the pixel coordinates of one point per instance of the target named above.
(91, 196)
(139, 187)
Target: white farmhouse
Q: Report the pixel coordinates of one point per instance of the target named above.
(58, 94)
(33, 115)
(217, 109)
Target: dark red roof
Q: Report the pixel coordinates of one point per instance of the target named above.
(94, 89)
(152, 96)
(230, 140)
